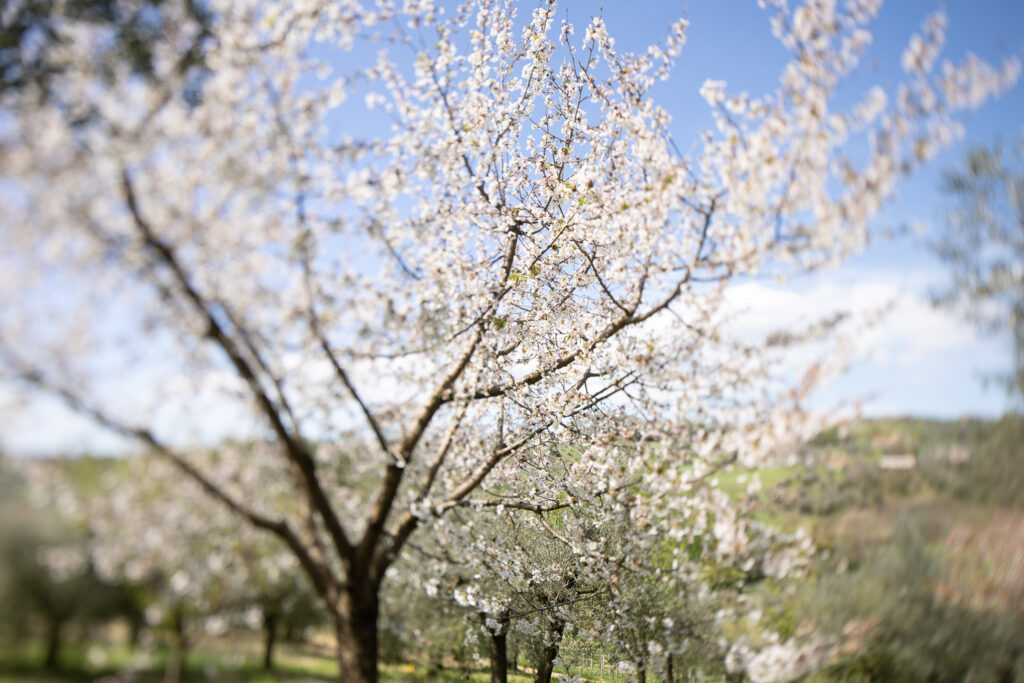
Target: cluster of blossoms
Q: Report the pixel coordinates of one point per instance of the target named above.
(780, 661)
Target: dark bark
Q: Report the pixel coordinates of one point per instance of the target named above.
(546, 665)
(53, 642)
(270, 632)
(356, 627)
(640, 675)
(135, 621)
(498, 642)
(176, 656)
(669, 674)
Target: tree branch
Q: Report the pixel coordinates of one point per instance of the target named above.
(408, 522)
(319, 573)
(600, 280)
(513, 504)
(294, 449)
(395, 470)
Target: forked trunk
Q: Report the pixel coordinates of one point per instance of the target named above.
(546, 665)
(356, 628)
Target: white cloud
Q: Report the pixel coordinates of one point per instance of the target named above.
(914, 359)
(911, 331)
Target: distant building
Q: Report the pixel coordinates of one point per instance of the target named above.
(950, 454)
(890, 441)
(903, 461)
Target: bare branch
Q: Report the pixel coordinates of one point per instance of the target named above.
(442, 453)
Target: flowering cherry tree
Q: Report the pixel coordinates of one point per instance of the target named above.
(200, 571)
(640, 562)
(512, 258)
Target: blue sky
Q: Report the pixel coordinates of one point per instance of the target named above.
(919, 361)
(922, 361)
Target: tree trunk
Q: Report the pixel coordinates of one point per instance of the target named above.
(498, 643)
(546, 665)
(176, 657)
(669, 674)
(356, 627)
(135, 620)
(640, 675)
(270, 630)
(53, 642)
(499, 658)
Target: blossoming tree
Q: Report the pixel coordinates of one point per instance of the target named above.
(192, 569)
(640, 573)
(516, 258)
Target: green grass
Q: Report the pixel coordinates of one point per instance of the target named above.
(87, 662)
(730, 484)
(402, 673)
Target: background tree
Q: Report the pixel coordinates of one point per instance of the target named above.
(33, 32)
(48, 584)
(984, 245)
(202, 572)
(911, 612)
(519, 260)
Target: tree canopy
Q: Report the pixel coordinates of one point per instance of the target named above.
(984, 244)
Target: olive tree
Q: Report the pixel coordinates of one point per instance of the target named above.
(984, 245)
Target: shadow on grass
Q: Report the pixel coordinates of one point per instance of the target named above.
(156, 675)
(104, 663)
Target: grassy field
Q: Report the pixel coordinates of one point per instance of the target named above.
(97, 661)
